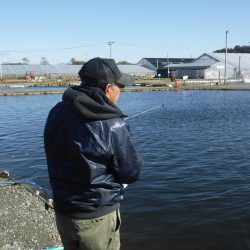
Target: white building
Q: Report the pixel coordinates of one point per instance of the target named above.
(137, 71)
(16, 71)
(212, 66)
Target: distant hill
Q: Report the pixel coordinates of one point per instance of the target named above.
(236, 49)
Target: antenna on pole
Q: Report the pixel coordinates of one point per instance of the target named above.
(110, 48)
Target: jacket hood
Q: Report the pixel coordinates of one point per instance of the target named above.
(91, 103)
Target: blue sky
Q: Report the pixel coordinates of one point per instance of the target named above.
(63, 29)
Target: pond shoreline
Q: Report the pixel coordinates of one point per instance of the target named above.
(25, 222)
(130, 89)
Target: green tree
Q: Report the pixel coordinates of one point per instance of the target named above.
(44, 61)
(236, 49)
(25, 60)
(123, 62)
(74, 61)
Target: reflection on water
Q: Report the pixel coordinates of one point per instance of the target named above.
(194, 188)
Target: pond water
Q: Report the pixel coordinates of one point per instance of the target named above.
(194, 188)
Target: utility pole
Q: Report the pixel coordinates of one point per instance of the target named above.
(225, 67)
(110, 49)
(168, 65)
(239, 67)
(1, 70)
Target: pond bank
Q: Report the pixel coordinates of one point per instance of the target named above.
(130, 89)
(25, 223)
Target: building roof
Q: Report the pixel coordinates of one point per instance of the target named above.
(200, 65)
(162, 62)
(233, 58)
(22, 70)
(64, 69)
(135, 69)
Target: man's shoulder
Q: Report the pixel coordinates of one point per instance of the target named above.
(114, 125)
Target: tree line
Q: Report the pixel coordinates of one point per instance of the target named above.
(44, 61)
(236, 49)
(26, 61)
(73, 61)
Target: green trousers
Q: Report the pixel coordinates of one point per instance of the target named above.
(102, 233)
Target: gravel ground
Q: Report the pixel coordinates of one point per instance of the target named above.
(24, 222)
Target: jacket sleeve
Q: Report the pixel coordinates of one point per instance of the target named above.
(127, 159)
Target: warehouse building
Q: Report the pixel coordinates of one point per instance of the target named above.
(212, 66)
(160, 65)
(137, 71)
(207, 66)
(26, 70)
(62, 70)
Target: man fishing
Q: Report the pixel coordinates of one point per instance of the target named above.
(90, 156)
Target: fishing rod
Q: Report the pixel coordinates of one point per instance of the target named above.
(138, 114)
(145, 111)
(148, 110)
(53, 248)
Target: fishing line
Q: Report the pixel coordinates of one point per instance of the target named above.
(143, 112)
(159, 106)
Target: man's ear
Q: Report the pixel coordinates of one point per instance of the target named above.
(107, 89)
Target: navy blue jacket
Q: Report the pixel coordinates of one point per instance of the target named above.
(90, 154)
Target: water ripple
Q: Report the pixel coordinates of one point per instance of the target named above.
(194, 188)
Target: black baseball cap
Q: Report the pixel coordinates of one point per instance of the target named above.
(100, 71)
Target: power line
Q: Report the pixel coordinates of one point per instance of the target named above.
(54, 49)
